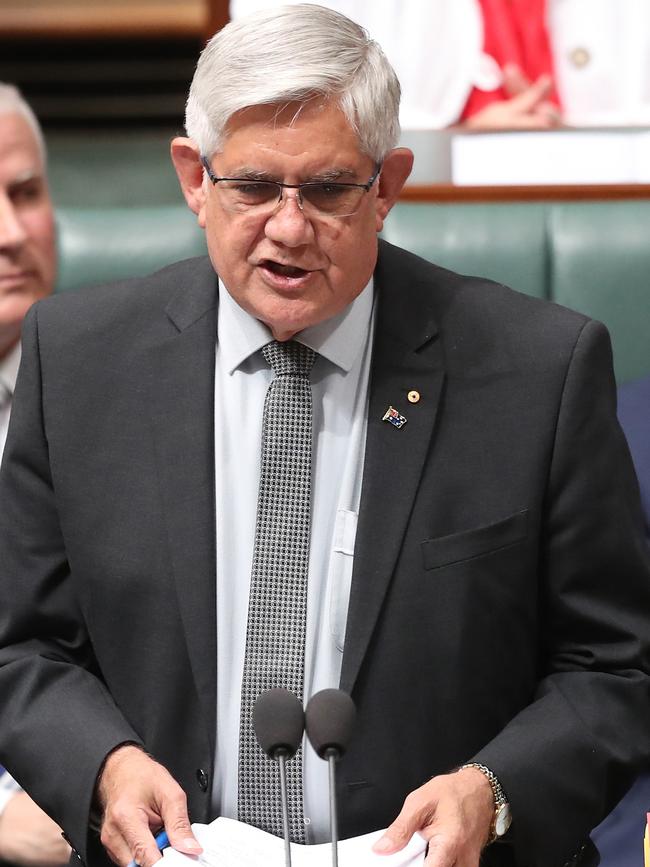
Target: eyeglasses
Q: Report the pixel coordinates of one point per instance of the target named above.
(314, 198)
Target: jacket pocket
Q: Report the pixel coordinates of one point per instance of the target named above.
(457, 547)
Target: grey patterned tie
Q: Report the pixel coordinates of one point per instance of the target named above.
(277, 607)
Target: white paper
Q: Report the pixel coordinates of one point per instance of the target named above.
(228, 843)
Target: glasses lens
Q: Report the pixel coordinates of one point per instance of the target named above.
(243, 195)
(336, 199)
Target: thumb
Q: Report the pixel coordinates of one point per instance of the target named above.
(179, 833)
(396, 836)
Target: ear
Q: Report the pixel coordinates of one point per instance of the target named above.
(187, 162)
(395, 170)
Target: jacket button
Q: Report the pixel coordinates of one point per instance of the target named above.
(202, 778)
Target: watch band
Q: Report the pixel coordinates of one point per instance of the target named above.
(502, 816)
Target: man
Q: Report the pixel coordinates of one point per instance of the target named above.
(27, 269)
(475, 578)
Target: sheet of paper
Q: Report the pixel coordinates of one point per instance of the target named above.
(228, 843)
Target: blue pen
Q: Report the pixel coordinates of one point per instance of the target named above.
(162, 842)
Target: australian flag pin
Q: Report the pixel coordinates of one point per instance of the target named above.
(393, 417)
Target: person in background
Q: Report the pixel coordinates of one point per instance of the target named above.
(510, 64)
(620, 837)
(27, 272)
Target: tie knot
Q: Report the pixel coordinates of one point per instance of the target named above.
(289, 358)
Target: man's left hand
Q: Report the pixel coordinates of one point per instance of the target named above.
(453, 812)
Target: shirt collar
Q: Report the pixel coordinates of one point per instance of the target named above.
(339, 339)
(9, 368)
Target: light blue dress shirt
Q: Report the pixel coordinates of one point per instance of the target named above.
(340, 393)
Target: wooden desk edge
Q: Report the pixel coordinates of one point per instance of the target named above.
(560, 192)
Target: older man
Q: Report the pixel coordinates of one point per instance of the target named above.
(27, 269)
(314, 459)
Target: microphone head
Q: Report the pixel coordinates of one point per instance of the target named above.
(278, 722)
(329, 720)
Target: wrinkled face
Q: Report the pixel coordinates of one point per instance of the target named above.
(287, 269)
(27, 241)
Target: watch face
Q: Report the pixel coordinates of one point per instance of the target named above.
(502, 820)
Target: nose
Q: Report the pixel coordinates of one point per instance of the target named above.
(12, 231)
(288, 224)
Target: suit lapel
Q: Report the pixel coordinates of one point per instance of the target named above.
(406, 358)
(181, 402)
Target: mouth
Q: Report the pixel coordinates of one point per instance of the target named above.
(280, 270)
(13, 278)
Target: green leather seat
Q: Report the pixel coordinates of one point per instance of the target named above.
(103, 244)
(505, 242)
(601, 266)
(591, 256)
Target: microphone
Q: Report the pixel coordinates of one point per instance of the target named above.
(278, 723)
(329, 720)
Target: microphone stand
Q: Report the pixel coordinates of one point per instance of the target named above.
(332, 755)
(282, 762)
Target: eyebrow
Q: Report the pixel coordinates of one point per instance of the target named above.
(329, 176)
(25, 178)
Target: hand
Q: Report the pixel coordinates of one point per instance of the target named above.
(29, 837)
(527, 108)
(454, 812)
(139, 797)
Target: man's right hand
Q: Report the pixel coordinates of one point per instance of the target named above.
(138, 798)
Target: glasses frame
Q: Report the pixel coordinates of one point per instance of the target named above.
(299, 187)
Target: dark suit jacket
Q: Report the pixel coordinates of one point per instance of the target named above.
(500, 596)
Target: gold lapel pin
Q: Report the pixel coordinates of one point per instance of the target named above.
(413, 396)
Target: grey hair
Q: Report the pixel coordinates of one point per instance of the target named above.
(13, 102)
(293, 54)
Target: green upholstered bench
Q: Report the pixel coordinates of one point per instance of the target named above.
(593, 257)
(97, 245)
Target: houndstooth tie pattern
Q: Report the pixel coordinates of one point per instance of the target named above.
(277, 607)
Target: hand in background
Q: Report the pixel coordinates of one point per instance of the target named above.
(453, 812)
(29, 837)
(527, 108)
(138, 797)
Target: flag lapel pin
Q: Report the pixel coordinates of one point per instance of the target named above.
(392, 416)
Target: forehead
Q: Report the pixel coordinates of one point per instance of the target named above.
(19, 152)
(299, 137)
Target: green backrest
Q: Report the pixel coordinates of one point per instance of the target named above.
(591, 256)
(505, 242)
(601, 267)
(97, 245)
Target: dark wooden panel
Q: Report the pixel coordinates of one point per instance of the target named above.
(564, 192)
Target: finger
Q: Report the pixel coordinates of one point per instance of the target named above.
(550, 112)
(415, 815)
(177, 824)
(127, 838)
(533, 95)
(441, 852)
(514, 80)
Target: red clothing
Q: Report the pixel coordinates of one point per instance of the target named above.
(514, 31)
